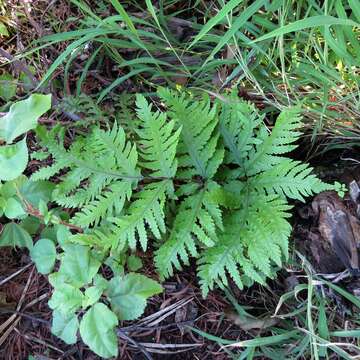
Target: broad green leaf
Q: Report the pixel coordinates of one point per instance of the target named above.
(44, 255)
(78, 264)
(115, 265)
(3, 30)
(49, 232)
(34, 191)
(14, 235)
(62, 234)
(92, 296)
(134, 263)
(100, 282)
(56, 279)
(65, 327)
(14, 209)
(13, 160)
(7, 86)
(9, 188)
(23, 116)
(66, 299)
(31, 224)
(43, 209)
(128, 294)
(97, 330)
(2, 206)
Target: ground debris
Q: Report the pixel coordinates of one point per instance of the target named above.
(334, 236)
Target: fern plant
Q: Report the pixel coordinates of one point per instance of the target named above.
(224, 173)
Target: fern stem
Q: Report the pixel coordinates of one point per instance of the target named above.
(36, 213)
(131, 177)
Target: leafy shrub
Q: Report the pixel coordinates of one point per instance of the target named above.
(195, 181)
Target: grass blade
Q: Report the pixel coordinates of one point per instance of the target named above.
(215, 20)
(120, 9)
(267, 340)
(118, 81)
(311, 22)
(239, 22)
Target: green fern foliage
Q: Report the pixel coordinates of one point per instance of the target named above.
(103, 160)
(158, 140)
(147, 209)
(193, 180)
(198, 151)
(195, 225)
(256, 237)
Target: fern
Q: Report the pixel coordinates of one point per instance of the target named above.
(265, 153)
(204, 181)
(237, 126)
(147, 209)
(198, 151)
(105, 161)
(82, 109)
(196, 222)
(158, 141)
(289, 178)
(258, 220)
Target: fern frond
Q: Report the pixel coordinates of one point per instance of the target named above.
(238, 121)
(265, 154)
(256, 235)
(217, 262)
(108, 203)
(158, 140)
(70, 195)
(83, 109)
(146, 210)
(198, 151)
(100, 173)
(195, 224)
(289, 178)
(114, 153)
(53, 142)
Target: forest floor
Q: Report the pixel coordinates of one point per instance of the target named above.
(179, 323)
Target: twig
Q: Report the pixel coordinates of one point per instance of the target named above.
(25, 315)
(15, 317)
(350, 159)
(32, 338)
(35, 212)
(2, 282)
(122, 335)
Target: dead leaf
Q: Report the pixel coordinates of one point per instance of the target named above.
(248, 323)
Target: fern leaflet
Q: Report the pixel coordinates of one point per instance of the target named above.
(198, 151)
(196, 222)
